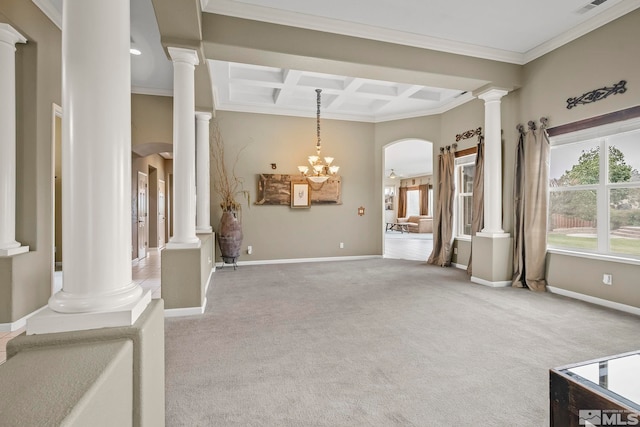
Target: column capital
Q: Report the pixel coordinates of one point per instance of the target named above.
(10, 35)
(493, 95)
(188, 56)
(203, 115)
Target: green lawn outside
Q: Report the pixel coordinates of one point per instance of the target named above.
(619, 246)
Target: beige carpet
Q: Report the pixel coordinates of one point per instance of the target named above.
(376, 343)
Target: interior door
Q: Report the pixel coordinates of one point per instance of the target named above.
(161, 214)
(142, 215)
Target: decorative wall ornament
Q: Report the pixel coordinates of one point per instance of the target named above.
(469, 134)
(597, 94)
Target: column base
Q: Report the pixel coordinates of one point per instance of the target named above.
(491, 259)
(48, 321)
(201, 230)
(14, 251)
(195, 244)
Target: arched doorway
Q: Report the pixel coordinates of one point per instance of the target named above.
(407, 199)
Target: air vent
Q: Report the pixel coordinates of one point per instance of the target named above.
(586, 8)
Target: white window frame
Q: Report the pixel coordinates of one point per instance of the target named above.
(458, 219)
(601, 134)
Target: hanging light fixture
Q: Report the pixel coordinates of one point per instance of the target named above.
(320, 171)
(392, 175)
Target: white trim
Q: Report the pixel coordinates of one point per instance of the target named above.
(180, 312)
(498, 284)
(300, 260)
(209, 279)
(20, 323)
(599, 257)
(596, 132)
(595, 300)
(460, 266)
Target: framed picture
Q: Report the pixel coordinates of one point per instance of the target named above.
(300, 195)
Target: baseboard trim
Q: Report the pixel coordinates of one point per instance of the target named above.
(499, 284)
(299, 260)
(209, 279)
(182, 312)
(20, 323)
(595, 300)
(460, 266)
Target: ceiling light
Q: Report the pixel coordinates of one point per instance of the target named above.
(320, 171)
(392, 175)
(134, 51)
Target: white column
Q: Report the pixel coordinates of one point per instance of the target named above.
(96, 164)
(184, 149)
(8, 39)
(492, 163)
(203, 215)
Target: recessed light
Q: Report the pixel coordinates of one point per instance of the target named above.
(134, 51)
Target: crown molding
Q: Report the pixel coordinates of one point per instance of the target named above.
(139, 90)
(614, 12)
(47, 7)
(317, 23)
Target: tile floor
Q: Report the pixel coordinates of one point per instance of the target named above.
(411, 246)
(145, 272)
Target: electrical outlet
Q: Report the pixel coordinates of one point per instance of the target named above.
(455, 251)
(249, 250)
(607, 279)
(341, 245)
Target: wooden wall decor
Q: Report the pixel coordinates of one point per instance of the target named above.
(275, 189)
(597, 94)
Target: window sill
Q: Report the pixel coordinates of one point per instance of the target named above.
(599, 257)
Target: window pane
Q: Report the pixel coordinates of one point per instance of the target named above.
(624, 157)
(467, 209)
(575, 164)
(624, 225)
(572, 219)
(468, 171)
(413, 202)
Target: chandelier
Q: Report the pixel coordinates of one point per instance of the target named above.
(320, 171)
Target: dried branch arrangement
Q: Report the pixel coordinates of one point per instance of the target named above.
(226, 185)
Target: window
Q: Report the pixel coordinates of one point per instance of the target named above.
(464, 173)
(594, 191)
(413, 202)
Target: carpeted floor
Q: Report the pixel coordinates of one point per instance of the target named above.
(376, 343)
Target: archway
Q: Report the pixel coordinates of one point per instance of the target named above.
(408, 168)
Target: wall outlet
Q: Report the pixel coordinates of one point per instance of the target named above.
(607, 279)
(341, 245)
(455, 251)
(249, 250)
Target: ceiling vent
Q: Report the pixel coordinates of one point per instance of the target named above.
(589, 6)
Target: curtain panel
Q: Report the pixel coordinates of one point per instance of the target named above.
(477, 209)
(531, 189)
(424, 199)
(402, 202)
(443, 221)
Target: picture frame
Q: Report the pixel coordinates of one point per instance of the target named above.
(300, 195)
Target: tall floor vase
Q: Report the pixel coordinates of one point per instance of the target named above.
(230, 237)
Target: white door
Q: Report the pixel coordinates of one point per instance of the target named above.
(161, 217)
(142, 215)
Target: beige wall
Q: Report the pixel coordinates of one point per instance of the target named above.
(151, 119)
(25, 280)
(279, 232)
(601, 58)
